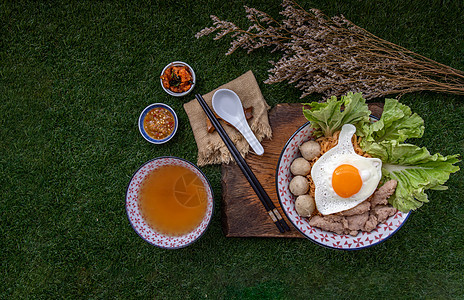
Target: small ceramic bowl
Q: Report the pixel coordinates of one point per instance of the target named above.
(136, 219)
(178, 63)
(142, 118)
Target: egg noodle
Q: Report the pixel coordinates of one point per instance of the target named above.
(327, 143)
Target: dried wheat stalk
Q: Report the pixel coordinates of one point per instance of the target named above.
(332, 56)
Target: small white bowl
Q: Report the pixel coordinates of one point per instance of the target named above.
(142, 117)
(178, 63)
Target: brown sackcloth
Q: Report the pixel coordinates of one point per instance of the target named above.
(211, 148)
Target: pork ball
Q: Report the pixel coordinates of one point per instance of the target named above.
(299, 185)
(310, 149)
(305, 205)
(300, 166)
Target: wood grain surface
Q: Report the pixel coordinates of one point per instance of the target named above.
(243, 215)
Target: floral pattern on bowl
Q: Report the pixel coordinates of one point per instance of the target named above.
(138, 223)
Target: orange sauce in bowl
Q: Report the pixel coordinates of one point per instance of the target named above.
(178, 79)
(172, 200)
(159, 123)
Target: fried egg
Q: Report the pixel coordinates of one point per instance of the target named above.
(342, 178)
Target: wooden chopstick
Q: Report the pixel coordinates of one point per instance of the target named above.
(250, 176)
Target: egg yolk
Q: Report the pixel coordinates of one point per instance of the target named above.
(346, 181)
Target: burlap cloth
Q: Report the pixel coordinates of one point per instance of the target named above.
(211, 148)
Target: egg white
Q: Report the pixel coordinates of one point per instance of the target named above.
(370, 170)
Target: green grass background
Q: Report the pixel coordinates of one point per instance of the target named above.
(74, 77)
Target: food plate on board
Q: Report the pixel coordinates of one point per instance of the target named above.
(327, 239)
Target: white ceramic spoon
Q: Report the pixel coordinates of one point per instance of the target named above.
(228, 106)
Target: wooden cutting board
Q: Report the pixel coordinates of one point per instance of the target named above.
(243, 215)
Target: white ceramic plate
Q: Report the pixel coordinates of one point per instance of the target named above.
(138, 223)
(324, 238)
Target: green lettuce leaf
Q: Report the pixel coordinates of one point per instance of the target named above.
(415, 170)
(329, 117)
(397, 123)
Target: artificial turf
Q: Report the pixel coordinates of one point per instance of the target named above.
(74, 77)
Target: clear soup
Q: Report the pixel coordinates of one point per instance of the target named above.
(172, 200)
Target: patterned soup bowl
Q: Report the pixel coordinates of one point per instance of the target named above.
(139, 221)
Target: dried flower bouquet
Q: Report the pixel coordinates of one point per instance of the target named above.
(332, 56)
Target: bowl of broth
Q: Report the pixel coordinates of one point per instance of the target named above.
(169, 202)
